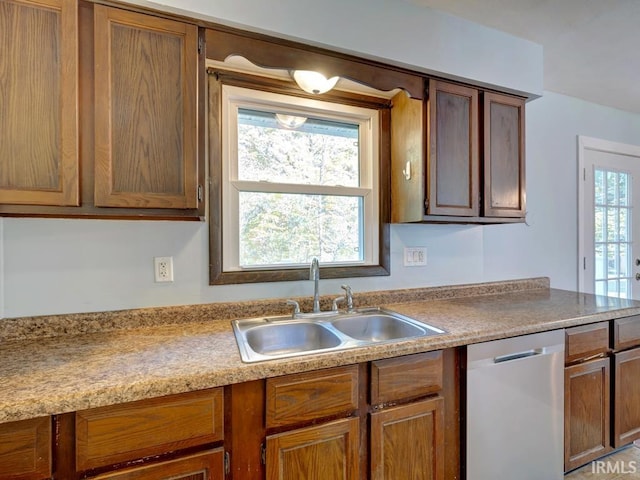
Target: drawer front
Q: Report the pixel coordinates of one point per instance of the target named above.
(586, 341)
(406, 377)
(626, 332)
(203, 466)
(307, 396)
(120, 433)
(25, 449)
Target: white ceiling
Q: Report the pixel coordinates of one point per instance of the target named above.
(591, 47)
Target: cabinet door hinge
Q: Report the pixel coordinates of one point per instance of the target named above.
(199, 193)
(426, 206)
(263, 453)
(200, 45)
(227, 463)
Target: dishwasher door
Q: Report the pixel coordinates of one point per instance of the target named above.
(515, 408)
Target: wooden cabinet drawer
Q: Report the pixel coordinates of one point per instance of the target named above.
(626, 332)
(25, 449)
(306, 396)
(203, 466)
(586, 341)
(119, 433)
(410, 376)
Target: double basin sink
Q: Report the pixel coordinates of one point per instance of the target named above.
(270, 338)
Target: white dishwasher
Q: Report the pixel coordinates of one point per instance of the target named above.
(515, 408)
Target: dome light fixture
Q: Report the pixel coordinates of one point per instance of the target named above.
(290, 122)
(314, 82)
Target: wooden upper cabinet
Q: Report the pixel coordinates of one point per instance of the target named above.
(39, 98)
(146, 83)
(452, 152)
(504, 189)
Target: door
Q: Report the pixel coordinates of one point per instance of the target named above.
(608, 223)
(453, 153)
(322, 452)
(38, 102)
(407, 442)
(586, 412)
(504, 189)
(146, 79)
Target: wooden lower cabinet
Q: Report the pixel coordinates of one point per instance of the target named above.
(587, 412)
(25, 449)
(626, 416)
(407, 442)
(323, 452)
(203, 466)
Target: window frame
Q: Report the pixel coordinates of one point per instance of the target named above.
(217, 203)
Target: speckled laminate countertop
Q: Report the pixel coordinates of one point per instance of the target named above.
(51, 365)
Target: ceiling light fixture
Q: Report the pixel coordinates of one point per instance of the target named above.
(314, 82)
(290, 121)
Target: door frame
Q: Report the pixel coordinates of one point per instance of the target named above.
(600, 145)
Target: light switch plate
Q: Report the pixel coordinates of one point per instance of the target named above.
(415, 256)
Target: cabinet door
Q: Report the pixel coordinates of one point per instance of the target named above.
(408, 442)
(453, 161)
(203, 466)
(626, 411)
(39, 96)
(504, 181)
(25, 449)
(323, 452)
(146, 111)
(586, 412)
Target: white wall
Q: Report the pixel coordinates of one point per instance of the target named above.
(61, 266)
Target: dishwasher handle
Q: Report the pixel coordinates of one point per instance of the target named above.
(519, 355)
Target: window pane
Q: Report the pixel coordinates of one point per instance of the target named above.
(625, 261)
(623, 186)
(319, 152)
(625, 289)
(599, 185)
(612, 188)
(612, 288)
(600, 262)
(599, 224)
(612, 260)
(601, 288)
(623, 228)
(612, 224)
(281, 229)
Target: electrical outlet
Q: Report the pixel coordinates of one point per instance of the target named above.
(415, 256)
(163, 269)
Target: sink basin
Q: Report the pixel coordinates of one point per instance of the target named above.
(377, 327)
(272, 338)
(280, 339)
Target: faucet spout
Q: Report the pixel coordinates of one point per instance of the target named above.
(314, 274)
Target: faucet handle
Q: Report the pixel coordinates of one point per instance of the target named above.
(296, 307)
(336, 301)
(349, 295)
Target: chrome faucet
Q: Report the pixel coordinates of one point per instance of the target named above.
(314, 274)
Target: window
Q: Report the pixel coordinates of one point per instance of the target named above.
(300, 179)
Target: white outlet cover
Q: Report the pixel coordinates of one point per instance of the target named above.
(163, 269)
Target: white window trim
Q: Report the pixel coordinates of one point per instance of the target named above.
(234, 98)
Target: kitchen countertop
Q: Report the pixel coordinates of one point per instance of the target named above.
(73, 362)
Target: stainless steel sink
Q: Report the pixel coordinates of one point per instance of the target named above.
(377, 327)
(270, 338)
(279, 339)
